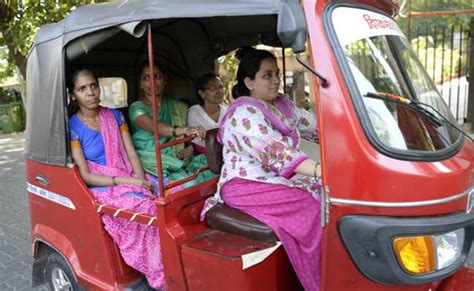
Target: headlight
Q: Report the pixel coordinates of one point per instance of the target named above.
(448, 247)
(424, 254)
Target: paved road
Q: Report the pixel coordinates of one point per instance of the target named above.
(15, 245)
(15, 258)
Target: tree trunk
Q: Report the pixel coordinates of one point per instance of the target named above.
(20, 60)
(6, 15)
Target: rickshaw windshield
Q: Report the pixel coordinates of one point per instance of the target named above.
(382, 63)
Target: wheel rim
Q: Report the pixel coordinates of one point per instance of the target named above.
(60, 280)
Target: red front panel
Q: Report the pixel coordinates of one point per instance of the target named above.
(354, 170)
(212, 261)
(463, 280)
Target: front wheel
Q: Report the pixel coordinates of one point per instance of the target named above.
(59, 275)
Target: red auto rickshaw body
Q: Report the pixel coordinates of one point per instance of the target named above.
(360, 181)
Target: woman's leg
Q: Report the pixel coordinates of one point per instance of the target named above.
(139, 244)
(292, 213)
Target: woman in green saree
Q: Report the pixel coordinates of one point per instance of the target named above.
(178, 161)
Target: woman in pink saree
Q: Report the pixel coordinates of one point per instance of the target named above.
(265, 174)
(103, 150)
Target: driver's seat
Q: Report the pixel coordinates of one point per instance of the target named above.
(224, 218)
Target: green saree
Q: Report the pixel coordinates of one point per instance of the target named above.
(172, 112)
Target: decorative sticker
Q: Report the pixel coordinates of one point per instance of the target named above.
(352, 24)
(51, 196)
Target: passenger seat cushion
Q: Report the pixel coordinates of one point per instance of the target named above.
(224, 218)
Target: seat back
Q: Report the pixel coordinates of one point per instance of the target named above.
(224, 218)
(214, 151)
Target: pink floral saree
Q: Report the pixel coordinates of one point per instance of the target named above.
(139, 244)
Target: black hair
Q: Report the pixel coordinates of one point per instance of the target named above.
(202, 82)
(145, 64)
(71, 79)
(250, 61)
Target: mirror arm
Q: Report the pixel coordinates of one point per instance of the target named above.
(324, 81)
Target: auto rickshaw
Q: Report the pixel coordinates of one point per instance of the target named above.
(397, 173)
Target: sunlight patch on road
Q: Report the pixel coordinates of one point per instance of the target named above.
(14, 150)
(7, 161)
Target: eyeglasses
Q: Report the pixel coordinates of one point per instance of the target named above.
(158, 76)
(215, 88)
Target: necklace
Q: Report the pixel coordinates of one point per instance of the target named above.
(91, 122)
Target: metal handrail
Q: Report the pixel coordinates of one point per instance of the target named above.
(177, 141)
(159, 146)
(187, 179)
(130, 215)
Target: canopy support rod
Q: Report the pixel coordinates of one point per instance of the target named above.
(155, 107)
(283, 60)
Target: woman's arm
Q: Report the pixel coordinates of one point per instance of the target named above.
(132, 154)
(306, 123)
(88, 177)
(309, 168)
(193, 117)
(146, 122)
(102, 180)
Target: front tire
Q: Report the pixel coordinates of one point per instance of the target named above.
(59, 275)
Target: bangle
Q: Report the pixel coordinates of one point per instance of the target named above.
(113, 181)
(318, 179)
(174, 130)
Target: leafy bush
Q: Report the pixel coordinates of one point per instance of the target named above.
(8, 95)
(441, 63)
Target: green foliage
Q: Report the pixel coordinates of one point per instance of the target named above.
(228, 70)
(422, 23)
(440, 62)
(8, 96)
(426, 35)
(19, 22)
(5, 69)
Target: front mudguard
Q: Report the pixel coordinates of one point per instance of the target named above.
(462, 280)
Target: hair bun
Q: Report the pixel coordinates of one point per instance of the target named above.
(244, 52)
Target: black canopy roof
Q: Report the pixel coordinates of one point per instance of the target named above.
(93, 17)
(188, 34)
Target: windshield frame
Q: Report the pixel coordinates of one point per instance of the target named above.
(357, 100)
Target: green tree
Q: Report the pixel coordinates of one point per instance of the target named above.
(438, 40)
(422, 23)
(19, 22)
(228, 70)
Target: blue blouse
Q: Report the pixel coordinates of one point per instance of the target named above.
(91, 141)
